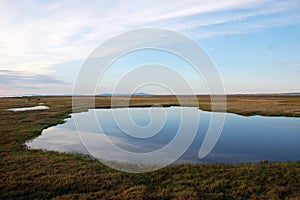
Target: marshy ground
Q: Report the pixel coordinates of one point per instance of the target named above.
(29, 174)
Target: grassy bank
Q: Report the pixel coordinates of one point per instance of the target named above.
(29, 174)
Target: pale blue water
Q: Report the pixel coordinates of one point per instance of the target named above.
(243, 139)
(29, 108)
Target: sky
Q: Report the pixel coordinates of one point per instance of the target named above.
(255, 44)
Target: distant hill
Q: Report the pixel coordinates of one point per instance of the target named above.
(139, 94)
(292, 93)
(125, 94)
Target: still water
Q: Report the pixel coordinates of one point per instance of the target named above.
(29, 108)
(243, 139)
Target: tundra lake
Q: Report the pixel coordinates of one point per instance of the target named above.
(243, 139)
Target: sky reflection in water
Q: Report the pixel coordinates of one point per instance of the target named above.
(243, 139)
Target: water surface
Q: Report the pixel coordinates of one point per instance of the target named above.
(29, 108)
(243, 139)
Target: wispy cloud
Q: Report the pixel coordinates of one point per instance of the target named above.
(36, 34)
(202, 7)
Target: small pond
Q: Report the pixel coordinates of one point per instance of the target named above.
(243, 139)
(29, 108)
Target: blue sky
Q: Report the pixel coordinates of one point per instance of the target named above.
(255, 44)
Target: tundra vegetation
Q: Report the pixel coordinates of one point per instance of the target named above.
(37, 174)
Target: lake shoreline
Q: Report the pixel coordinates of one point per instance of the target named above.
(245, 105)
(64, 137)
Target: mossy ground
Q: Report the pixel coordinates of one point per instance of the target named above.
(36, 174)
